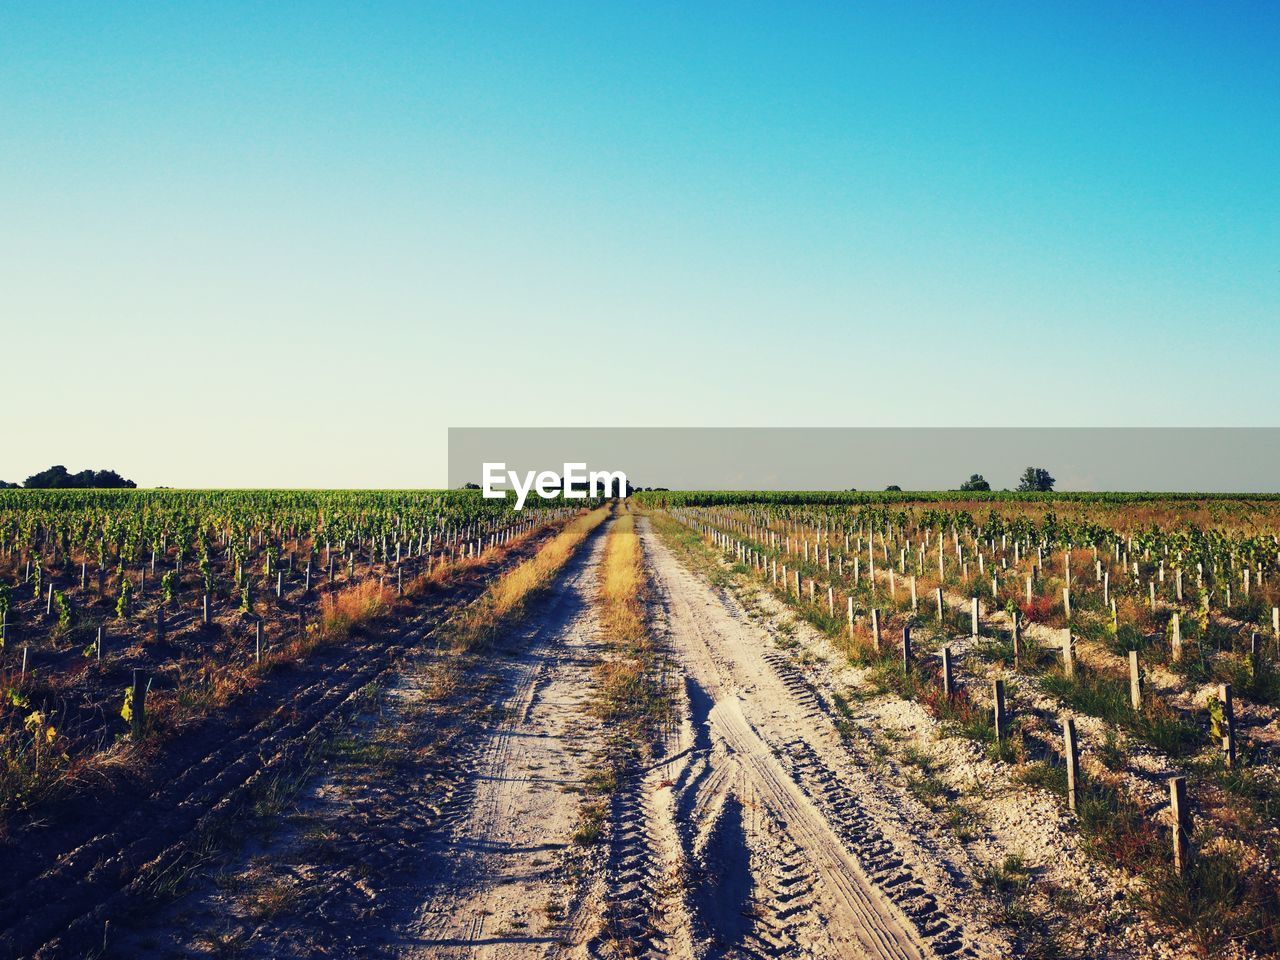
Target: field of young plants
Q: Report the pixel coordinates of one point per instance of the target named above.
(160, 649)
(1117, 652)
(686, 725)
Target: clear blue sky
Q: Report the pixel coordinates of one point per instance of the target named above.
(289, 244)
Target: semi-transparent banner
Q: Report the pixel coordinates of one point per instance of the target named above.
(1209, 459)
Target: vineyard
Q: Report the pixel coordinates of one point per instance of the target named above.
(692, 725)
(142, 633)
(1119, 653)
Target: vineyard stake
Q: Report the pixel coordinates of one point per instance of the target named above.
(1071, 749)
(946, 672)
(1181, 823)
(1000, 720)
(1135, 681)
(1228, 725)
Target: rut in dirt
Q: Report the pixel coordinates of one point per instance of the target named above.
(502, 875)
(748, 836)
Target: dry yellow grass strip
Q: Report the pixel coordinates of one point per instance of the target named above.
(622, 585)
(628, 693)
(506, 598)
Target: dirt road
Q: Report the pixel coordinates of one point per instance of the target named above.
(748, 839)
(782, 858)
(500, 879)
(757, 832)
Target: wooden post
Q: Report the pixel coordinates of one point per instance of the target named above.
(1068, 655)
(946, 672)
(1228, 726)
(906, 648)
(1175, 636)
(205, 611)
(973, 616)
(1135, 681)
(1000, 719)
(875, 628)
(938, 597)
(1017, 641)
(1066, 602)
(98, 644)
(138, 703)
(1181, 823)
(1071, 752)
(257, 641)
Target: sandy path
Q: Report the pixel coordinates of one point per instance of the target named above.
(784, 862)
(501, 873)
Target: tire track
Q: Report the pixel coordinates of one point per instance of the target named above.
(502, 872)
(819, 865)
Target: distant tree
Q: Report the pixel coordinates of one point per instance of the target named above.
(471, 486)
(975, 482)
(110, 480)
(57, 478)
(8, 486)
(1035, 480)
(891, 487)
(49, 479)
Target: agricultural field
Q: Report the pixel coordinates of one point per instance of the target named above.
(685, 725)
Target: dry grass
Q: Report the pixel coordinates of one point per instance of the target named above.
(507, 597)
(628, 696)
(342, 612)
(622, 587)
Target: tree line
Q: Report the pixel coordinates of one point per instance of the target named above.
(59, 478)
